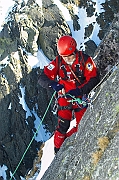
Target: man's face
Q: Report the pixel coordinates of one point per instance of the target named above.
(69, 59)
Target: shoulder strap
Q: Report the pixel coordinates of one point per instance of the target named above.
(81, 58)
(58, 62)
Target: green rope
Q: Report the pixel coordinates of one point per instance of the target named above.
(78, 100)
(33, 136)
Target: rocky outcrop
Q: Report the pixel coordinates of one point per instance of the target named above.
(107, 53)
(29, 27)
(54, 27)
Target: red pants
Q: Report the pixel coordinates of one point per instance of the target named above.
(65, 112)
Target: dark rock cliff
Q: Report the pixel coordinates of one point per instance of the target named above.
(29, 27)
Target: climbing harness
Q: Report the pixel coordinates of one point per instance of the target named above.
(81, 102)
(33, 136)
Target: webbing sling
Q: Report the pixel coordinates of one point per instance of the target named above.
(74, 74)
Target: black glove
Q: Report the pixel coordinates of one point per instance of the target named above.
(75, 92)
(56, 86)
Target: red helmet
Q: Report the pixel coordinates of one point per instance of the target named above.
(66, 45)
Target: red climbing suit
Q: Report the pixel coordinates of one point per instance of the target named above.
(86, 71)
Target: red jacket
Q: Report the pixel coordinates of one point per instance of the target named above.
(84, 68)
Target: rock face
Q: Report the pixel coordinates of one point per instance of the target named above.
(29, 27)
(93, 153)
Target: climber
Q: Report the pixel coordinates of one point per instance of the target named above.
(71, 74)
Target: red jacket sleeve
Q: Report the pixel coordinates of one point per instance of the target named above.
(48, 75)
(51, 70)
